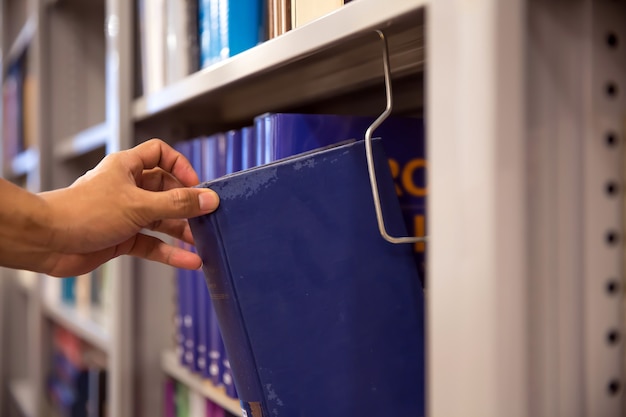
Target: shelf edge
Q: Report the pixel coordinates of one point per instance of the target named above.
(348, 21)
(22, 393)
(23, 39)
(175, 370)
(83, 142)
(78, 323)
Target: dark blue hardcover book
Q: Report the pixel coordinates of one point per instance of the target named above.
(286, 134)
(227, 374)
(182, 303)
(199, 295)
(260, 134)
(248, 149)
(185, 292)
(234, 153)
(320, 315)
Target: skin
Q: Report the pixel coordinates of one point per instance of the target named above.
(73, 230)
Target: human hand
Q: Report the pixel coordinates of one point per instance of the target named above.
(101, 215)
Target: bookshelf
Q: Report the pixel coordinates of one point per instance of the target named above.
(525, 125)
(172, 367)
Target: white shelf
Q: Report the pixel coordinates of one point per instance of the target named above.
(26, 280)
(173, 368)
(88, 325)
(23, 39)
(84, 142)
(22, 393)
(282, 62)
(24, 163)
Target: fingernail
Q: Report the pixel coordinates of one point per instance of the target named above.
(209, 200)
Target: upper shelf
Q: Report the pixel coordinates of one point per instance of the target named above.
(90, 325)
(334, 54)
(23, 39)
(84, 142)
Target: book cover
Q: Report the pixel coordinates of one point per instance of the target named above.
(320, 315)
(280, 135)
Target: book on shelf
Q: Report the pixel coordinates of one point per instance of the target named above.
(17, 90)
(199, 340)
(319, 314)
(181, 39)
(76, 381)
(152, 31)
(280, 135)
(89, 293)
(305, 11)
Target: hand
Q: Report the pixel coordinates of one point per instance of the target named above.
(100, 216)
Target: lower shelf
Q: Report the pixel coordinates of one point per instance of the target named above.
(174, 369)
(22, 394)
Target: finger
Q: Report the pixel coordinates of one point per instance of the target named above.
(156, 153)
(153, 249)
(157, 179)
(176, 228)
(178, 203)
(66, 265)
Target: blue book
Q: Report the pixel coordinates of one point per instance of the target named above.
(183, 304)
(199, 295)
(209, 33)
(248, 154)
(234, 153)
(241, 25)
(284, 134)
(320, 315)
(227, 374)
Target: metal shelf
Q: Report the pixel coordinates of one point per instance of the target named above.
(205, 388)
(26, 281)
(24, 163)
(333, 54)
(23, 39)
(22, 394)
(88, 325)
(84, 142)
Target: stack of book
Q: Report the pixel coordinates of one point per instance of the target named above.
(272, 137)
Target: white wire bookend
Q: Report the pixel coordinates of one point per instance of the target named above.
(368, 150)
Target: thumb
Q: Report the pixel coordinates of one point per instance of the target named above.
(181, 203)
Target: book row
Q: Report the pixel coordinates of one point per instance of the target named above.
(77, 377)
(273, 137)
(18, 109)
(179, 37)
(318, 313)
(89, 293)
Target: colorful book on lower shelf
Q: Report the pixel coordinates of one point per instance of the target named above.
(320, 315)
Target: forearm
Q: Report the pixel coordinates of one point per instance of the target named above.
(25, 228)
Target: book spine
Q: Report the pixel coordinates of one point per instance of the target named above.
(234, 153)
(245, 24)
(225, 303)
(208, 11)
(248, 147)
